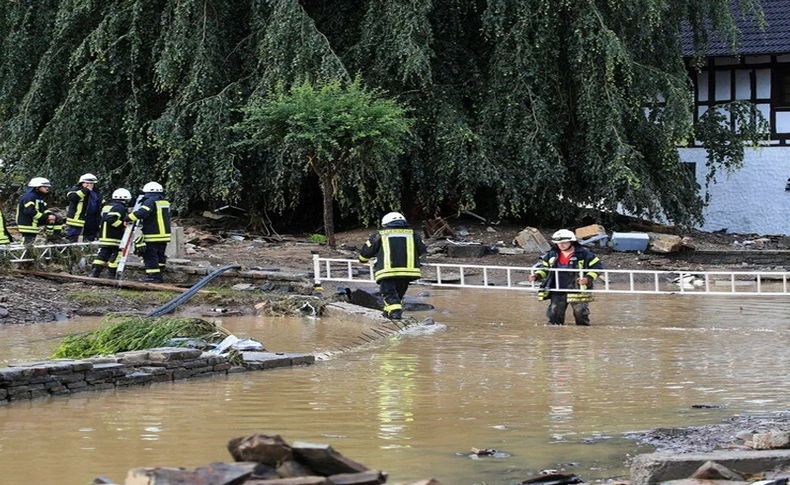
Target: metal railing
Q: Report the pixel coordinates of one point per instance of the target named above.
(648, 282)
(18, 253)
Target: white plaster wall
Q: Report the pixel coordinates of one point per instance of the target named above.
(752, 199)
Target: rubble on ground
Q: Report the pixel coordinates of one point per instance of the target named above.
(268, 460)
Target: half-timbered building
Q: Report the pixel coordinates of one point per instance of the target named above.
(755, 198)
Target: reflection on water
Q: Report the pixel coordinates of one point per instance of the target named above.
(395, 395)
(415, 405)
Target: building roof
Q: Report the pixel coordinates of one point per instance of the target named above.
(773, 39)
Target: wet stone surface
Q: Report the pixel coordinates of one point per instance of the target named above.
(712, 437)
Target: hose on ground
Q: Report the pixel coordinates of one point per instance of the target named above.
(183, 297)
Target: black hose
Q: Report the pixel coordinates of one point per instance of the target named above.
(183, 297)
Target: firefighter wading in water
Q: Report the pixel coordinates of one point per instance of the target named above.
(154, 215)
(111, 233)
(397, 249)
(567, 253)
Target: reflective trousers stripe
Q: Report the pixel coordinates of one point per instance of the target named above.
(75, 222)
(156, 237)
(393, 307)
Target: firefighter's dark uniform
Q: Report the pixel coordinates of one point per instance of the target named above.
(397, 249)
(31, 214)
(585, 262)
(83, 214)
(154, 215)
(5, 236)
(110, 235)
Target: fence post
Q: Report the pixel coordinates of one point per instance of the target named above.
(316, 271)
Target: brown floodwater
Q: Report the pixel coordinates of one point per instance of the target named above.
(414, 405)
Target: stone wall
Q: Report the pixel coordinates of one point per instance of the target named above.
(32, 380)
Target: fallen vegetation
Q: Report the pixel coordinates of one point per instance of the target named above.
(125, 333)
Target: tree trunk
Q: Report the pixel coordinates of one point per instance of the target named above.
(329, 216)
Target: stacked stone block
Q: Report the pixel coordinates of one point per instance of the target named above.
(33, 380)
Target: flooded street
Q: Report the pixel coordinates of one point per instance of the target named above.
(415, 404)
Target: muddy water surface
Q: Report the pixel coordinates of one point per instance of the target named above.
(414, 405)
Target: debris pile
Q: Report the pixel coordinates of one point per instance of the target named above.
(263, 459)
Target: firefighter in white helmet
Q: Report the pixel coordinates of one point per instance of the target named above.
(32, 212)
(397, 249)
(83, 214)
(112, 228)
(563, 287)
(154, 216)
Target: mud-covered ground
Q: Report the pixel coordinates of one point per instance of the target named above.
(711, 437)
(29, 299)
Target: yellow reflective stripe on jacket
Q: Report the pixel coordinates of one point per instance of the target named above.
(160, 220)
(389, 273)
(117, 223)
(76, 221)
(410, 251)
(363, 259)
(593, 262)
(3, 237)
(393, 307)
(385, 244)
(592, 274)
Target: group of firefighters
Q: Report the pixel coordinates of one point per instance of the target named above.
(397, 249)
(396, 246)
(91, 217)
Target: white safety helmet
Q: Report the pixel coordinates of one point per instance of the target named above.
(122, 194)
(89, 178)
(39, 182)
(563, 235)
(153, 187)
(392, 217)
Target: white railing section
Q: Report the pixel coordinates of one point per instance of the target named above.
(17, 253)
(516, 278)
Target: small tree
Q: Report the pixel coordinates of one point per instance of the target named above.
(349, 136)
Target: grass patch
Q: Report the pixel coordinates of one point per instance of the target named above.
(104, 297)
(152, 297)
(227, 296)
(125, 333)
(90, 297)
(317, 238)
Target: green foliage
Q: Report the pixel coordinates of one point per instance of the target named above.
(524, 101)
(125, 333)
(317, 238)
(724, 128)
(348, 136)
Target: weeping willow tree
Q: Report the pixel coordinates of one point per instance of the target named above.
(532, 106)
